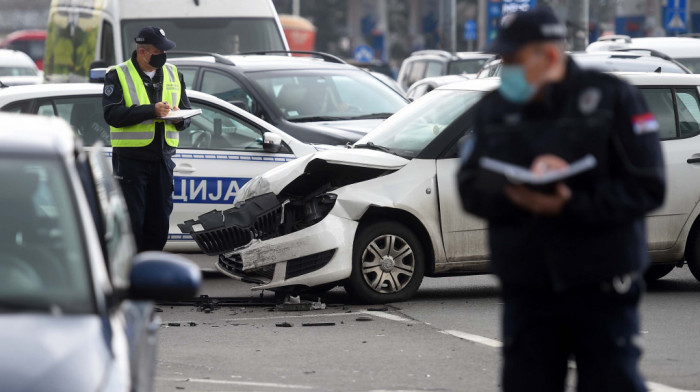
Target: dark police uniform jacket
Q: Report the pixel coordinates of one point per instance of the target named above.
(600, 233)
(118, 115)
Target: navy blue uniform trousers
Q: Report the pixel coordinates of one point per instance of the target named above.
(148, 189)
(595, 327)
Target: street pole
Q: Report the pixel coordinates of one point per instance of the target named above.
(448, 9)
(577, 15)
(482, 22)
(296, 7)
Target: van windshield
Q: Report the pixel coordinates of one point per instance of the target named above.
(218, 35)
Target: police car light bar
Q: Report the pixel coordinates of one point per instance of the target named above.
(97, 75)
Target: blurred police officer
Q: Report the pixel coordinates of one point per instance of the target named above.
(570, 258)
(136, 92)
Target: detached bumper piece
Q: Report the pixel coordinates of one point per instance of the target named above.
(218, 232)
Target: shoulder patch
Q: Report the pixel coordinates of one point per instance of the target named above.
(589, 99)
(109, 89)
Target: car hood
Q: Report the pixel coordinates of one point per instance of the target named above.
(353, 129)
(278, 178)
(52, 353)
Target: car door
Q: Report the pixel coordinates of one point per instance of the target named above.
(677, 110)
(219, 152)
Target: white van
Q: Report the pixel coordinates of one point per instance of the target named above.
(83, 31)
(683, 49)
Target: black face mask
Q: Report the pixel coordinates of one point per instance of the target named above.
(157, 60)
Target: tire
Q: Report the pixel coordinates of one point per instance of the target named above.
(378, 275)
(656, 272)
(692, 253)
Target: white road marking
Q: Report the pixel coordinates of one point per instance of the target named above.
(385, 315)
(239, 383)
(656, 387)
(474, 338)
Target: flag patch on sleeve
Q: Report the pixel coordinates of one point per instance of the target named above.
(644, 123)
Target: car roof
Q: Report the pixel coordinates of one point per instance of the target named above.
(659, 79)
(32, 134)
(445, 55)
(616, 61)
(254, 63)
(15, 58)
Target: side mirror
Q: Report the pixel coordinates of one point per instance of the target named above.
(272, 142)
(158, 276)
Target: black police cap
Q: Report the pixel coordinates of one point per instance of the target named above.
(523, 27)
(154, 36)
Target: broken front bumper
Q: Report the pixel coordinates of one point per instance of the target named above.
(317, 255)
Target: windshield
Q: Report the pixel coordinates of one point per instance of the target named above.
(218, 35)
(326, 95)
(693, 63)
(409, 131)
(17, 71)
(42, 260)
(470, 66)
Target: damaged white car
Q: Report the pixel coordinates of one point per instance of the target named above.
(376, 217)
(381, 215)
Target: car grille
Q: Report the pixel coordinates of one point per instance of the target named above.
(306, 264)
(234, 265)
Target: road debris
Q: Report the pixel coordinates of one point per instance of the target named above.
(173, 324)
(364, 318)
(317, 324)
(284, 325)
(378, 309)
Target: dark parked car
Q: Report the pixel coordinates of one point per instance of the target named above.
(318, 99)
(75, 310)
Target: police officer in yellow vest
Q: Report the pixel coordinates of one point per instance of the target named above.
(136, 93)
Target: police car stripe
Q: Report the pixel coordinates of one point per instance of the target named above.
(221, 157)
(130, 85)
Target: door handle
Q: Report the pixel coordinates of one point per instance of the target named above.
(184, 168)
(694, 160)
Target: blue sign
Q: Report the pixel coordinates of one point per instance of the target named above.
(363, 54)
(675, 17)
(510, 6)
(470, 30)
(207, 190)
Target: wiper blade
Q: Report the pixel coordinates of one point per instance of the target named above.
(318, 118)
(372, 146)
(372, 116)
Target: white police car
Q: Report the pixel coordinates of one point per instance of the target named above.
(378, 217)
(218, 153)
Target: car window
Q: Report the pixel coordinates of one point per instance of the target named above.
(470, 66)
(17, 71)
(216, 129)
(417, 72)
(688, 112)
(188, 75)
(660, 101)
(17, 107)
(433, 68)
(46, 109)
(85, 115)
(226, 88)
(327, 95)
(42, 254)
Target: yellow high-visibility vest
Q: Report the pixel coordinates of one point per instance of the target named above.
(142, 134)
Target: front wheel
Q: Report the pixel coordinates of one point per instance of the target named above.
(388, 263)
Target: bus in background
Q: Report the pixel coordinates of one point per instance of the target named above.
(30, 42)
(300, 32)
(86, 32)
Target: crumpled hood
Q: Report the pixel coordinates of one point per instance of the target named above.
(41, 352)
(278, 178)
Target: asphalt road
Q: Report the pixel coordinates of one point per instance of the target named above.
(444, 339)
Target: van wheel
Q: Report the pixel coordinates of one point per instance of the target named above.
(656, 272)
(388, 263)
(692, 253)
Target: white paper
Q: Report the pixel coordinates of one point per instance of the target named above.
(181, 114)
(520, 175)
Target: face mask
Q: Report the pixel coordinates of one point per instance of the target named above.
(157, 60)
(514, 86)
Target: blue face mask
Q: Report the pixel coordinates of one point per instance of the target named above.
(514, 87)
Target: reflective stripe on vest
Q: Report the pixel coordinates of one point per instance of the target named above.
(142, 134)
